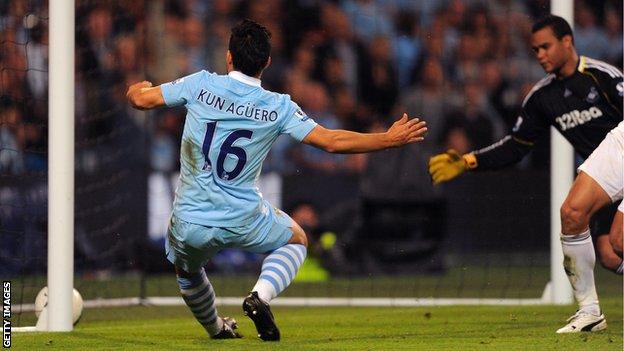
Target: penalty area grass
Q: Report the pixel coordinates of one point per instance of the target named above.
(338, 328)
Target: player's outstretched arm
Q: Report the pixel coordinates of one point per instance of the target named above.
(403, 131)
(144, 96)
(449, 165)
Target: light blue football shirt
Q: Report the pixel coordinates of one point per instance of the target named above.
(231, 123)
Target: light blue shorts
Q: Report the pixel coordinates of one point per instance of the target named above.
(189, 246)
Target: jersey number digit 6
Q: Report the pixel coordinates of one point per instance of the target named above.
(226, 148)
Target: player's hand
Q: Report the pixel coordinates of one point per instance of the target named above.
(144, 96)
(136, 87)
(406, 131)
(139, 85)
(446, 166)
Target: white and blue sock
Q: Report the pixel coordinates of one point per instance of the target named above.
(199, 296)
(279, 269)
(620, 268)
(579, 261)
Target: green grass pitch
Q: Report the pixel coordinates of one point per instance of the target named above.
(345, 328)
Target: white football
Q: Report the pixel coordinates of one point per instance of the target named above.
(41, 301)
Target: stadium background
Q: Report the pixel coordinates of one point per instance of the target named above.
(464, 66)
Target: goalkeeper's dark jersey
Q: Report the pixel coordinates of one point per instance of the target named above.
(583, 107)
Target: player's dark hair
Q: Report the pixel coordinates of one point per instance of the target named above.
(558, 25)
(250, 46)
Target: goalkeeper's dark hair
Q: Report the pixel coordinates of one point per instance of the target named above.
(250, 46)
(559, 26)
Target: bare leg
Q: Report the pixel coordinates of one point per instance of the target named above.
(616, 233)
(584, 199)
(608, 257)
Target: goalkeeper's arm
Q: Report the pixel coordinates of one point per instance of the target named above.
(449, 165)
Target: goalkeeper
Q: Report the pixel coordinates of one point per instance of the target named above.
(582, 98)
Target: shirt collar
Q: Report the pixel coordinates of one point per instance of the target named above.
(243, 78)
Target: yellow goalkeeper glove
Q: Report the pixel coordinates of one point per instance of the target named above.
(449, 165)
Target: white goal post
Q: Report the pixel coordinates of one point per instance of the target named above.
(559, 289)
(57, 315)
(61, 168)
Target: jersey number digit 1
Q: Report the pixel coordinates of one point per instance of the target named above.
(227, 148)
(206, 146)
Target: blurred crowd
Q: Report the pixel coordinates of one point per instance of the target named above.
(463, 65)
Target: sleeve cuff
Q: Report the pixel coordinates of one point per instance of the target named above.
(471, 161)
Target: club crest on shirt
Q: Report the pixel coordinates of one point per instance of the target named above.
(592, 96)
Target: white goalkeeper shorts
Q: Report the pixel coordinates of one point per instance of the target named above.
(606, 164)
